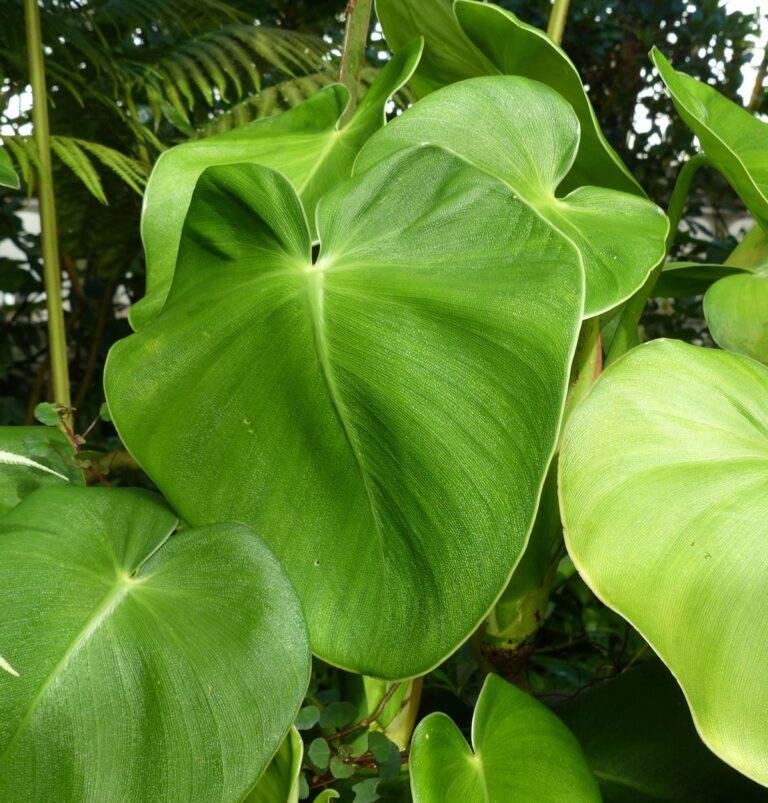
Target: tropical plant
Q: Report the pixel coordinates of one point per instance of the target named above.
(365, 384)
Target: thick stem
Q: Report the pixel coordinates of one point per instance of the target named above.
(48, 237)
(626, 332)
(358, 15)
(557, 18)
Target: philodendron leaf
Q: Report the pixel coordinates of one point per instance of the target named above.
(736, 309)
(520, 751)
(150, 667)
(475, 38)
(31, 457)
(528, 138)
(638, 738)
(664, 494)
(307, 144)
(382, 415)
(280, 781)
(8, 176)
(735, 140)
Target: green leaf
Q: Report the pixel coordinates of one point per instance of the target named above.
(326, 403)
(307, 718)
(47, 413)
(448, 55)
(151, 666)
(336, 715)
(735, 140)
(386, 753)
(280, 781)
(736, 309)
(639, 740)
(366, 791)
(319, 753)
(620, 237)
(477, 38)
(663, 491)
(520, 751)
(306, 144)
(681, 279)
(32, 457)
(8, 176)
(340, 768)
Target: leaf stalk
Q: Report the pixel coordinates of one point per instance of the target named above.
(48, 235)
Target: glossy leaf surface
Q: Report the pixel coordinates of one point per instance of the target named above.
(472, 39)
(383, 416)
(307, 144)
(529, 138)
(639, 739)
(31, 457)
(664, 493)
(150, 667)
(734, 139)
(520, 751)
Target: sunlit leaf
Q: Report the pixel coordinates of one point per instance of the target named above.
(151, 666)
(475, 38)
(734, 139)
(664, 493)
(520, 751)
(736, 309)
(529, 138)
(307, 144)
(380, 415)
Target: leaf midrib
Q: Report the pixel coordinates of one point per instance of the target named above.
(107, 606)
(315, 291)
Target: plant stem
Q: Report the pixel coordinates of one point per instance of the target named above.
(587, 364)
(557, 18)
(626, 332)
(358, 16)
(49, 242)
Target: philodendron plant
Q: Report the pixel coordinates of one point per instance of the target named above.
(363, 381)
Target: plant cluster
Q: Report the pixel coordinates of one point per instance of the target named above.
(366, 382)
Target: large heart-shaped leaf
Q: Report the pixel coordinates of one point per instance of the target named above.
(307, 144)
(639, 740)
(735, 140)
(149, 667)
(384, 416)
(469, 39)
(664, 493)
(31, 457)
(520, 751)
(527, 135)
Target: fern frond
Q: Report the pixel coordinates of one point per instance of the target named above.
(73, 157)
(269, 101)
(76, 155)
(220, 58)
